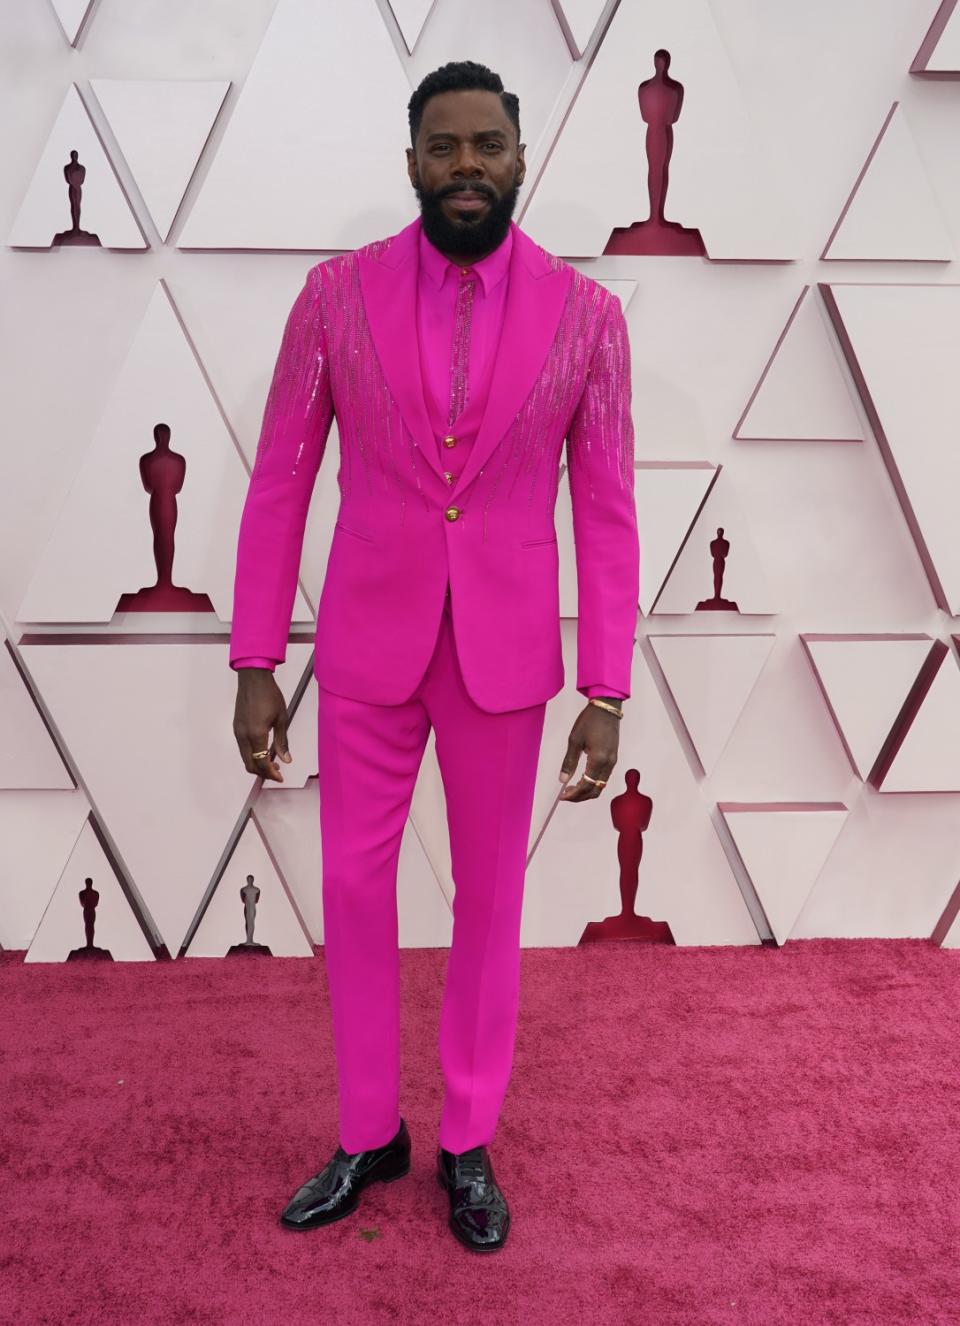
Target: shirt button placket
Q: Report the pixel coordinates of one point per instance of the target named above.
(460, 359)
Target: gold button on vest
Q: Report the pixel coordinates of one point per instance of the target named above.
(449, 440)
(452, 513)
(448, 476)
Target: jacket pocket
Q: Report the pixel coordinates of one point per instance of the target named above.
(532, 543)
(357, 534)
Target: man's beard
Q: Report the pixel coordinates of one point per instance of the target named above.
(467, 237)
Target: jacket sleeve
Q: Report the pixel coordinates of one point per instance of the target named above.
(293, 436)
(600, 457)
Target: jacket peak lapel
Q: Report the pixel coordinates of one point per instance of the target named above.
(388, 284)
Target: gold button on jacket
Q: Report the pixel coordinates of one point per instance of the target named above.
(450, 441)
(452, 513)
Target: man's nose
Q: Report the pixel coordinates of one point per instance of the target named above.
(468, 163)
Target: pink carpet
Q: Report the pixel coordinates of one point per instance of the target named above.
(697, 1136)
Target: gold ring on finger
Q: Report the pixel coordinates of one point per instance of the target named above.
(597, 782)
(259, 755)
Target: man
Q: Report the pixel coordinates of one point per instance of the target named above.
(457, 356)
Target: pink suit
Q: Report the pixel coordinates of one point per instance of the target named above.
(395, 655)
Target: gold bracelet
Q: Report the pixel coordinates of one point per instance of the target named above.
(602, 704)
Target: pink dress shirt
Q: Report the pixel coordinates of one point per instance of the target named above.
(437, 287)
(436, 304)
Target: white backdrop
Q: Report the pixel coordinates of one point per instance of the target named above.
(798, 387)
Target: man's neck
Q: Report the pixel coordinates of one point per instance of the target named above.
(467, 259)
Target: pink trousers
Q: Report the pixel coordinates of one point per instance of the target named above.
(369, 759)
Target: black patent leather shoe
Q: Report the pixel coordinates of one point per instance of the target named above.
(479, 1216)
(335, 1191)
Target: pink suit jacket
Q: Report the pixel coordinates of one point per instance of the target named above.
(403, 533)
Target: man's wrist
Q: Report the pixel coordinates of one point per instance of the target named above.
(259, 662)
(607, 699)
(610, 703)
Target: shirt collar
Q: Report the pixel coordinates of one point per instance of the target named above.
(490, 270)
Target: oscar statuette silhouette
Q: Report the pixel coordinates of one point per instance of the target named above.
(250, 895)
(162, 472)
(75, 173)
(661, 100)
(719, 551)
(89, 897)
(631, 813)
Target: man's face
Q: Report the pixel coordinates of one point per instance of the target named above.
(466, 171)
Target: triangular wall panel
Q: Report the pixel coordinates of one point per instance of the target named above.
(865, 681)
(891, 874)
(104, 210)
(261, 190)
(411, 15)
(72, 14)
(170, 784)
(669, 498)
(29, 758)
(891, 213)
(573, 871)
(939, 53)
(719, 182)
(276, 923)
(32, 862)
(928, 759)
(579, 19)
(802, 394)
(691, 581)
(902, 344)
(161, 125)
(783, 848)
(710, 678)
(102, 544)
(116, 929)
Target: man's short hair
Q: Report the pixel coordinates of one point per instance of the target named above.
(460, 76)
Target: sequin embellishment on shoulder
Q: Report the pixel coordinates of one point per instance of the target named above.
(298, 410)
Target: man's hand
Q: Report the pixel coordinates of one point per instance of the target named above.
(597, 732)
(260, 707)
